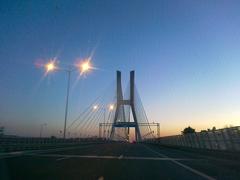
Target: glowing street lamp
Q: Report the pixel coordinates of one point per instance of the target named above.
(95, 107)
(111, 107)
(83, 67)
(50, 66)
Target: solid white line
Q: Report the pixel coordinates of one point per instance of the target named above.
(182, 165)
(112, 157)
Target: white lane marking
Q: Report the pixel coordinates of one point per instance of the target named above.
(120, 157)
(182, 165)
(16, 153)
(63, 158)
(11, 154)
(60, 156)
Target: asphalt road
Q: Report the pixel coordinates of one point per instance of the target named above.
(116, 161)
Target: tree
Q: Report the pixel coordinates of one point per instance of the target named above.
(188, 130)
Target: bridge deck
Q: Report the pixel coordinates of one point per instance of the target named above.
(116, 161)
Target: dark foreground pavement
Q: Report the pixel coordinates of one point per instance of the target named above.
(117, 161)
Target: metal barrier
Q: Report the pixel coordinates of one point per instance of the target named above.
(8, 144)
(221, 139)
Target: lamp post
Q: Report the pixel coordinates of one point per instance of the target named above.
(96, 107)
(110, 108)
(66, 107)
(82, 67)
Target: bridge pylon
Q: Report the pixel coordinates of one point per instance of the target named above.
(119, 122)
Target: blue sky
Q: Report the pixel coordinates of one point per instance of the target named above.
(185, 54)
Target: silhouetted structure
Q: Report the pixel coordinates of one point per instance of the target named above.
(120, 121)
(188, 130)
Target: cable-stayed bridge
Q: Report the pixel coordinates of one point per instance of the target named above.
(98, 147)
(116, 116)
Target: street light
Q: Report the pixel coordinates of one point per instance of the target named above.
(110, 108)
(83, 67)
(95, 107)
(50, 66)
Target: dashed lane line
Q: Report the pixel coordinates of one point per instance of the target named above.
(63, 158)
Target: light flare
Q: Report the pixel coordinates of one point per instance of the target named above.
(50, 66)
(111, 107)
(95, 107)
(84, 66)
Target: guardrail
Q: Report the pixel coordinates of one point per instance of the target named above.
(8, 144)
(227, 139)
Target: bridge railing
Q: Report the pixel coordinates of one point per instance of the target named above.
(8, 144)
(227, 139)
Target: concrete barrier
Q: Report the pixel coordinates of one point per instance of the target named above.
(227, 139)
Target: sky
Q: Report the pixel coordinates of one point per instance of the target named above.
(185, 54)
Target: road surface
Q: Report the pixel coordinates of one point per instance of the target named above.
(116, 161)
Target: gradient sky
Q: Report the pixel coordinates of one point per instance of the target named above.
(186, 55)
